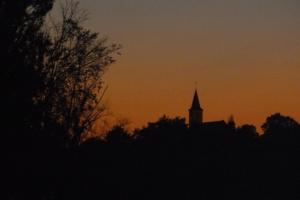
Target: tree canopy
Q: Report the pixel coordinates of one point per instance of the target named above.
(280, 124)
(51, 75)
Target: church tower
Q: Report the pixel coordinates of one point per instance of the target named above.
(195, 112)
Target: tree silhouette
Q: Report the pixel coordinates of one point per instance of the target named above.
(22, 49)
(248, 130)
(74, 64)
(51, 75)
(117, 135)
(280, 124)
(165, 128)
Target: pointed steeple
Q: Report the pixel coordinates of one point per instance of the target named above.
(196, 102)
(195, 112)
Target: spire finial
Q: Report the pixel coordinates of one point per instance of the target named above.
(196, 85)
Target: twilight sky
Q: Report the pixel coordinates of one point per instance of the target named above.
(244, 54)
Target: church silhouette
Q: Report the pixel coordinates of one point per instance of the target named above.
(196, 117)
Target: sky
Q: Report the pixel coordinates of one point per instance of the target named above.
(243, 54)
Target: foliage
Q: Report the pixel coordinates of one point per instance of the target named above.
(280, 124)
(164, 128)
(247, 130)
(74, 64)
(117, 135)
(52, 73)
(22, 48)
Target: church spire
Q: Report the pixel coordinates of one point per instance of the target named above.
(196, 102)
(195, 112)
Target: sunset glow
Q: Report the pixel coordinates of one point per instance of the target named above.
(243, 54)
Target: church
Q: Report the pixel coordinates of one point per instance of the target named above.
(196, 117)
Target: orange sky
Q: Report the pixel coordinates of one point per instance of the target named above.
(245, 56)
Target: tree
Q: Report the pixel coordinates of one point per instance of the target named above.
(22, 49)
(248, 131)
(73, 69)
(164, 129)
(117, 135)
(278, 124)
(52, 73)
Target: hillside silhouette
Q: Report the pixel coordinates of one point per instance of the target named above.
(165, 159)
(52, 94)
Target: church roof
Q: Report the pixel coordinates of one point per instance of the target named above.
(215, 124)
(196, 103)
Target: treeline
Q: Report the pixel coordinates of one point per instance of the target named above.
(165, 160)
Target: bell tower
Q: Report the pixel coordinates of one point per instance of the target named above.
(195, 112)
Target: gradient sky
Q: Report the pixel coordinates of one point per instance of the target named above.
(244, 54)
